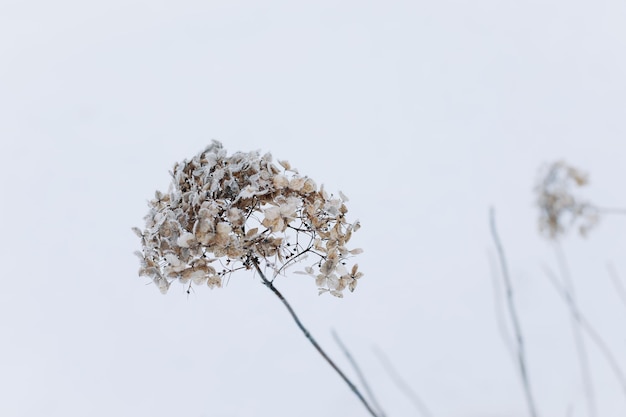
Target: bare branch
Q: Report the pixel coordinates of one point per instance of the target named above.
(611, 210)
(578, 338)
(617, 282)
(499, 308)
(591, 332)
(521, 354)
(359, 373)
(402, 385)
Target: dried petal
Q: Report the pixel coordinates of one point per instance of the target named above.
(285, 164)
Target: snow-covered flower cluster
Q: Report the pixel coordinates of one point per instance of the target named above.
(225, 213)
(559, 208)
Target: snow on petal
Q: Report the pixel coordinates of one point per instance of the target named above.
(185, 240)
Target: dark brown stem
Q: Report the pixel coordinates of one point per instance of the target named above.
(308, 335)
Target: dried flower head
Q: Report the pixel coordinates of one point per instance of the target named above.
(559, 208)
(225, 213)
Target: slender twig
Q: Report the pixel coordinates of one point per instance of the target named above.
(359, 373)
(402, 385)
(308, 335)
(611, 210)
(521, 354)
(591, 331)
(581, 350)
(293, 259)
(499, 308)
(617, 282)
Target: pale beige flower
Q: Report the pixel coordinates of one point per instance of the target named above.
(559, 208)
(240, 209)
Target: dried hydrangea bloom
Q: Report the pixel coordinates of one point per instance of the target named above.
(559, 208)
(224, 213)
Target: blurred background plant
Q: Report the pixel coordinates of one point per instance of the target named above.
(561, 208)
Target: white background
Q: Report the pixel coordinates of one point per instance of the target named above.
(424, 113)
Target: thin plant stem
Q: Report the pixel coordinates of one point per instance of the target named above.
(359, 374)
(611, 210)
(617, 282)
(402, 385)
(499, 308)
(591, 331)
(581, 350)
(308, 335)
(521, 354)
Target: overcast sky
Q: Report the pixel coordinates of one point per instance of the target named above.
(425, 114)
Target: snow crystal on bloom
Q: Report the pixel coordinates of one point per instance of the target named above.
(248, 192)
(185, 239)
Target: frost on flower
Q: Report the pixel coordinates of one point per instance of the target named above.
(223, 213)
(559, 208)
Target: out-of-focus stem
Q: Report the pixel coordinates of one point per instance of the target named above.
(576, 328)
(400, 383)
(521, 354)
(359, 374)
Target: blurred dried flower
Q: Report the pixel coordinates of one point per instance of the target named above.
(559, 208)
(225, 213)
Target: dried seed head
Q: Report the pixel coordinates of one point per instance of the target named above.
(230, 210)
(559, 208)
